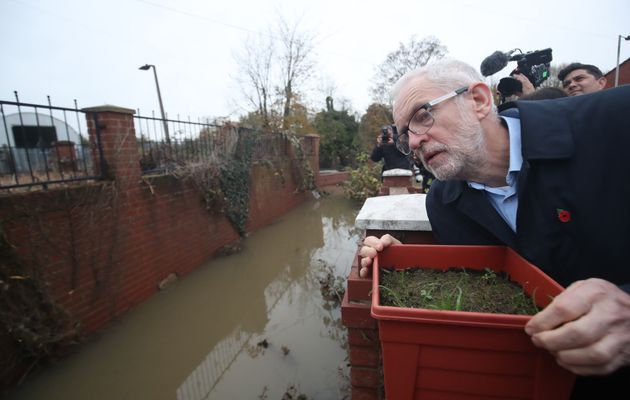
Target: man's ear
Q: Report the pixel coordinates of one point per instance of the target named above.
(483, 99)
(602, 82)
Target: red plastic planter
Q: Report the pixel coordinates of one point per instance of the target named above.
(434, 354)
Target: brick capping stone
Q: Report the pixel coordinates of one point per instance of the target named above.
(109, 108)
(402, 212)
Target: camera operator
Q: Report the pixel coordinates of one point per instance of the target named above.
(532, 69)
(576, 78)
(526, 85)
(386, 150)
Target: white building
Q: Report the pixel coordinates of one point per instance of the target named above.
(30, 142)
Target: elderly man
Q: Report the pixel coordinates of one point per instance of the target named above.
(515, 181)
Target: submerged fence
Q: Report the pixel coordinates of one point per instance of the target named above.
(43, 144)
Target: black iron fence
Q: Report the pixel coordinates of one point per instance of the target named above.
(42, 145)
(165, 144)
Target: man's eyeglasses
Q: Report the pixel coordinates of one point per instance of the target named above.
(422, 120)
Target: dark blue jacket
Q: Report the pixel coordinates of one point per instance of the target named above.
(576, 161)
(576, 158)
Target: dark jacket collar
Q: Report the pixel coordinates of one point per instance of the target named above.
(548, 136)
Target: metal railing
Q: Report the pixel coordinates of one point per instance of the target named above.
(187, 142)
(43, 145)
(196, 142)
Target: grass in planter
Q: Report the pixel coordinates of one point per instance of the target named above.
(456, 289)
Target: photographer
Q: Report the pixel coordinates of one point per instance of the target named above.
(532, 69)
(386, 150)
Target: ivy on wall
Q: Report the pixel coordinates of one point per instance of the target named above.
(235, 183)
(39, 327)
(303, 173)
(225, 186)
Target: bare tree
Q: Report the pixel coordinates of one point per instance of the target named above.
(255, 65)
(296, 61)
(406, 58)
(272, 69)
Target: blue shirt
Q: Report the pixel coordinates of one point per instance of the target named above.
(504, 198)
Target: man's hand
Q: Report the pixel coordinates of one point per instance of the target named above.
(371, 246)
(586, 327)
(528, 87)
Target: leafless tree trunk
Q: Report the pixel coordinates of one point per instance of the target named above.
(296, 64)
(255, 65)
(272, 69)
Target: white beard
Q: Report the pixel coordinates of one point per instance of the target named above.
(461, 160)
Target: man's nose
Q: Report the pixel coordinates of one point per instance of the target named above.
(415, 141)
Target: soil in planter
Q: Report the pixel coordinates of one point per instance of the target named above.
(456, 289)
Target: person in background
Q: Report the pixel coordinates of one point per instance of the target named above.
(427, 176)
(580, 79)
(545, 93)
(385, 149)
(514, 181)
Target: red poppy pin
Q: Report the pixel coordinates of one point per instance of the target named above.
(563, 215)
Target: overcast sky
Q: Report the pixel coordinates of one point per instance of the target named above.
(90, 50)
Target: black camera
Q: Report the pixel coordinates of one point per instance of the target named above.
(384, 135)
(534, 65)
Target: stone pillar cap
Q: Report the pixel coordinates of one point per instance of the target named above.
(109, 108)
(405, 212)
(397, 172)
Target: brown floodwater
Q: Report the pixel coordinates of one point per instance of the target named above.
(251, 325)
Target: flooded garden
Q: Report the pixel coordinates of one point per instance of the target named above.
(262, 322)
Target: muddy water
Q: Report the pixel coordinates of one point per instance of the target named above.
(252, 325)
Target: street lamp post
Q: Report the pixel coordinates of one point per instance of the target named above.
(618, 51)
(157, 85)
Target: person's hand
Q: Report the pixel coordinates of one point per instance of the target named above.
(586, 328)
(371, 246)
(379, 140)
(528, 87)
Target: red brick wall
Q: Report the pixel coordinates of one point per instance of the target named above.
(105, 247)
(332, 178)
(624, 74)
(270, 197)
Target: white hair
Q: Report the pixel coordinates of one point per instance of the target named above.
(445, 75)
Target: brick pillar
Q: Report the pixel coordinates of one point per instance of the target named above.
(363, 343)
(312, 150)
(397, 181)
(114, 128)
(114, 125)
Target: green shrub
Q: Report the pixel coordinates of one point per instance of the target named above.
(365, 180)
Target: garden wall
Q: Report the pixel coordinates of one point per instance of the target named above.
(98, 250)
